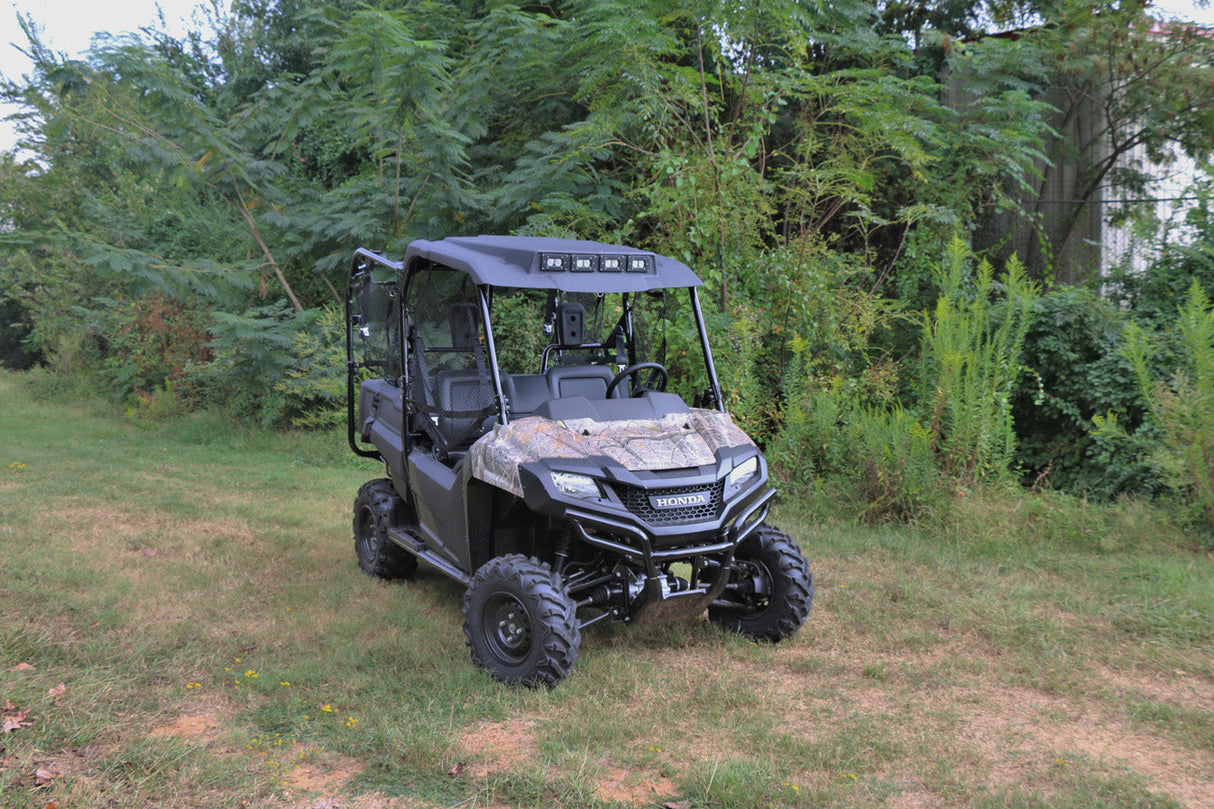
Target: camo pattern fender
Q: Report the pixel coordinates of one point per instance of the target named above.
(676, 441)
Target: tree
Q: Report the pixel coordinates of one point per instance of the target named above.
(1130, 95)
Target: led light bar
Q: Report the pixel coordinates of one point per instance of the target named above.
(589, 262)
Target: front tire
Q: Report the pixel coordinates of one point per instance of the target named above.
(520, 623)
(770, 591)
(378, 555)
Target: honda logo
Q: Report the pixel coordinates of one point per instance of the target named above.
(679, 500)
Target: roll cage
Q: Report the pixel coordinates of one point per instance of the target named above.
(425, 327)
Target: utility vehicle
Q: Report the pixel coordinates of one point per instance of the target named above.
(514, 389)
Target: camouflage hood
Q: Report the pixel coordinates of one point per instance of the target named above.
(675, 441)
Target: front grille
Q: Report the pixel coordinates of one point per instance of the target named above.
(640, 502)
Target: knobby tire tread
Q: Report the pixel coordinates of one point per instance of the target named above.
(383, 558)
(792, 596)
(555, 626)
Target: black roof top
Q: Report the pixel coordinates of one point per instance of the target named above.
(565, 264)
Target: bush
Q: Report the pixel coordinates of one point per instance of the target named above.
(1152, 295)
(152, 341)
(1073, 349)
(738, 350)
(253, 353)
(883, 458)
(315, 385)
(1183, 407)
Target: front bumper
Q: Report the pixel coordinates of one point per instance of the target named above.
(654, 518)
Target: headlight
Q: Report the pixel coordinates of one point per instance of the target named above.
(575, 485)
(741, 475)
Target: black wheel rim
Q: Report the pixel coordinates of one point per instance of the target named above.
(507, 627)
(759, 593)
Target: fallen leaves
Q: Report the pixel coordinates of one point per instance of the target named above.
(45, 774)
(14, 718)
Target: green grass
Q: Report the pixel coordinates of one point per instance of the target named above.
(192, 586)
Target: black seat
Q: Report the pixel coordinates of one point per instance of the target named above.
(465, 398)
(525, 392)
(589, 381)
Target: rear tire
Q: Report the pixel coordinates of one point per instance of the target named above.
(771, 588)
(379, 556)
(520, 623)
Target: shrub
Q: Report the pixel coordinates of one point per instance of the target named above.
(738, 351)
(253, 352)
(1152, 295)
(151, 340)
(315, 385)
(519, 340)
(883, 458)
(1073, 349)
(1183, 406)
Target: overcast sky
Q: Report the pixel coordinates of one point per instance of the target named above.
(69, 25)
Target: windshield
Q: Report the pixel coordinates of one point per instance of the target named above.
(535, 330)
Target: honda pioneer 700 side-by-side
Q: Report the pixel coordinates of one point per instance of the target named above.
(515, 390)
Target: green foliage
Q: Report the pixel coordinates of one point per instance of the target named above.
(1121, 88)
(738, 350)
(972, 361)
(810, 161)
(160, 403)
(880, 462)
(1183, 406)
(253, 354)
(151, 341)
(841, 422)
(1152, 295)
(518, 332)
(315, 384)
(1073, 349)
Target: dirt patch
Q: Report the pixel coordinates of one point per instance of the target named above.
(1181, 689)
(503, 747)
(322, 777)
(1052, 731)
(496, 747)
(204, 720)
(634, 788)
(202, 727)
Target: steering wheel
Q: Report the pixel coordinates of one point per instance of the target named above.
(659, 376)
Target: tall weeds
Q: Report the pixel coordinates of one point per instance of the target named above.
(875, 454)
(1183, 406)
(899, 460)
(972, 346)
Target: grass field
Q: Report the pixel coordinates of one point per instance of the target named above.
(183, 624)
